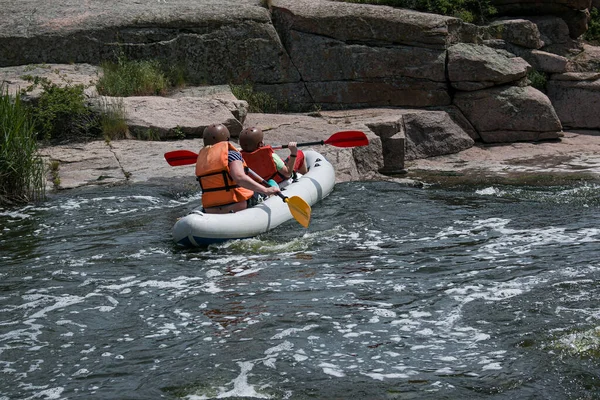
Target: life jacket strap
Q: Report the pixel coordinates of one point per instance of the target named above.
(226, 178)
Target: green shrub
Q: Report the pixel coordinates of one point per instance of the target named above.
(258, 102)
(474, 11)
(61, 113)
(592, 35)
(538, 79)
(21, 168)
(138, 78)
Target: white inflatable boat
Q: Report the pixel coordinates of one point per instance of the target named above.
(201, 229)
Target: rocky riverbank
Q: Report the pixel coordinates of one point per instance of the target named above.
(573, 158)
(431, 92)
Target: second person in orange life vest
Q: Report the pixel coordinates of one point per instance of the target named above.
(265, 162)
(220, 170)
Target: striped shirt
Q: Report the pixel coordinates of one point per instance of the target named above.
(234, 156)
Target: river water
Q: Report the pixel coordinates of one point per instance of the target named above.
(392, 293)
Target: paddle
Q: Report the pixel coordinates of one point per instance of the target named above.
(340, 139)
(176, 158)
(299, 208)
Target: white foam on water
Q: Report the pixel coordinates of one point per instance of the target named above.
(382, 376)
(190, 198)
(492, 366)
(14, 214)
(292, 331)
(332, 369)
(36, 300)
(166, 329)
(142, 253)
(352, 282)
(229, 260)
(300, 357)
(81, 372)
(241, 387)
(211, 287)
(491, 191)
(522, 241)
(213, 273)
(447, 358)
(150, 199)
(181, 282)
(47, 394)
(72, 204)
(248, 272)
(444, 371)
(285, 346)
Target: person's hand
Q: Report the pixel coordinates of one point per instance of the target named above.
(272, 190)
(293, 146)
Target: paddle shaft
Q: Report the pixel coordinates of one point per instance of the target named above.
(338, 139)
(264, 182)
(285, 146)
(298, 207)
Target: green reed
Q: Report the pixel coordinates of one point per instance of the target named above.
(22, 175)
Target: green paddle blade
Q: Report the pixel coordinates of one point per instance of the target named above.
(300, 210)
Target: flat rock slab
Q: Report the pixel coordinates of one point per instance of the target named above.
(576, 155)
(17, 79)
(167, 117)
(116, 163)
(86, 164)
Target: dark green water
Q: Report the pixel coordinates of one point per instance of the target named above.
(392, 293)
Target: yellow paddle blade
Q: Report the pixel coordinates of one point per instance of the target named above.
(300, 210)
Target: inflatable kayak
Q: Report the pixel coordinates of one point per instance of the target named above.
(201, 229)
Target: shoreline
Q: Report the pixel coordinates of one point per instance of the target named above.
(573, 158)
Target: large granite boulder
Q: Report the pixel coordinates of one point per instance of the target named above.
(365, 55)
(475, 67)
(214, 41)
(576, 99)
(510, 114)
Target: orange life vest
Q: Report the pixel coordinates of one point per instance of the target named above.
(261, 162)
(212, 172)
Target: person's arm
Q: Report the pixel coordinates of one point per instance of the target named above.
(289, 165)
(236, 170)
(281, 166)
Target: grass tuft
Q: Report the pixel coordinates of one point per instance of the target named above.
(125, 78)
(112, 119)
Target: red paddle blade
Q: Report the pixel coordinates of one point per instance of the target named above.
(181, 157)
(348, 139)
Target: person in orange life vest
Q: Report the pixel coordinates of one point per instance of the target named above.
(265, 162)
(221, 172)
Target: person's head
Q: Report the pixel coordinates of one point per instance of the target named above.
(251, 138)
(214, 134)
